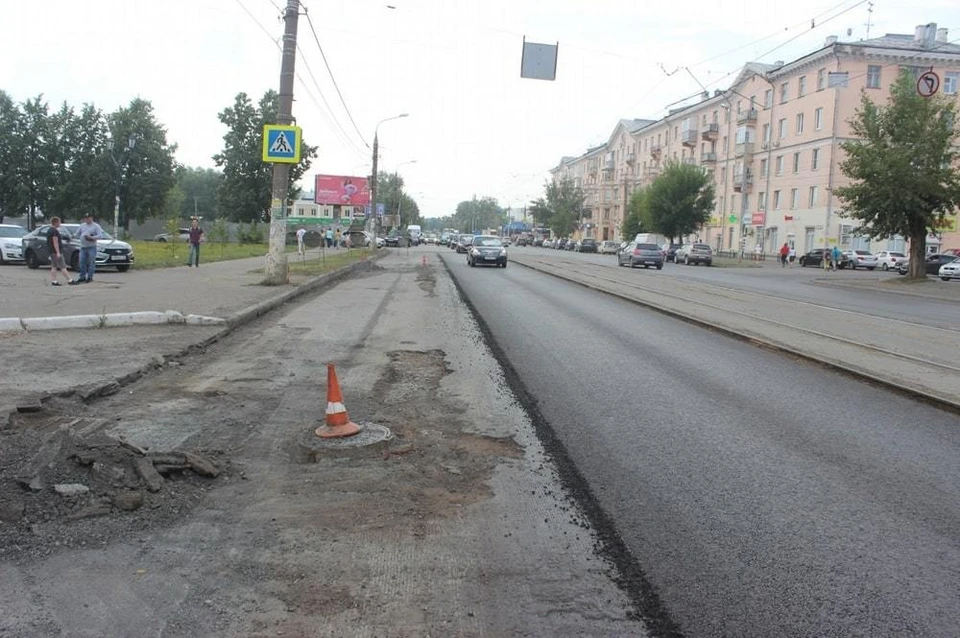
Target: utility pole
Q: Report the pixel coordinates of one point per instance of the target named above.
(276, 266)
(377, 221)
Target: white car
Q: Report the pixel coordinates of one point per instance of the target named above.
(858, 259)
(887, 259)
(608, 248)
(11, 243)
(950, 271)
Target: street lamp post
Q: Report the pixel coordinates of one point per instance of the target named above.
(120, 165)
(378, 226)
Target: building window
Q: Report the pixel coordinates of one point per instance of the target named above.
(766, 133)
(802, 86)
(814, 195)
(726, 145)
(762, 201)
(782, 128)
(821, 79)
(794, 198)
(733, 203)
(776, 200)
(799, 123)
(873, 76)
(779, 165)
(950, 81)
(818, 119)
(784, 92)
(796, 162)
(815, 164)
(768, 98)
(764, 168)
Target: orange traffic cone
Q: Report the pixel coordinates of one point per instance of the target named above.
(338, 424)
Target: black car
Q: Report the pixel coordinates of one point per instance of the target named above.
(670, 251)
(815, 258)
(111, 253)
(587, 246)
(931, 265)
(463, 243)
(487, 250)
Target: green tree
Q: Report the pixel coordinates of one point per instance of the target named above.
(199, 187)
(12, 201)
(83, 179)
(39, 151)
(147, 170)
(902, 168)
(478, 214)
(561, 207)
(246, 190)
(636, 212)
(679, 201)
(390, 192)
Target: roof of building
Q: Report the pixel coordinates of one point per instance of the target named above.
(905, 42)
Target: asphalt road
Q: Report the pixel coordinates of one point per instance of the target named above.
(760, 495)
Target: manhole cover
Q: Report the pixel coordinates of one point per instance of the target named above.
(371, 436)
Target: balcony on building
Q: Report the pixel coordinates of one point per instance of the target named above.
(655, 151)
(652, 172)
(608, 163)
(708, 158)
(742, 181)
(743, 150)
(689, 137)
(690, 160)
(631, 158)
(710, 132)
(747, 117)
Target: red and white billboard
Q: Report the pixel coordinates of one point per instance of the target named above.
(342, 189)
(759, 218)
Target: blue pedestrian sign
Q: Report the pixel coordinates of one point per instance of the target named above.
(281, 143)
(380, 209)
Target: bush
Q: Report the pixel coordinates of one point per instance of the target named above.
(252, 234)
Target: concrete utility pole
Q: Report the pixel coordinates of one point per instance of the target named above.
(378, 223)
(276, 266)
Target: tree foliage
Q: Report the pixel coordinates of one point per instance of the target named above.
(561, 207)
(199, 187)
(390, 193)
(478, 214)
(636, 212)
(246, 191)
(679, 201)
(902, 167)
(58, 162)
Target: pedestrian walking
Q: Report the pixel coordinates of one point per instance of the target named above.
(826, 259)
(784, 253)
(89, 233)
(55, 245)
(196, 238)
(300, 233)
(337, 242)
(835, 254)
(757, 252)
(792, 256)
(329, 237)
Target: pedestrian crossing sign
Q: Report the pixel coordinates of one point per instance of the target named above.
(281, 143)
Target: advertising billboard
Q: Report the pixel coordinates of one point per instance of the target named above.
(758, 218)
(342, 189)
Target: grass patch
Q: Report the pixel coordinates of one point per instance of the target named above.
(156, 254)
(332, 260)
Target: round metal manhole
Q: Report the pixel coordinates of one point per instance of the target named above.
(371, 436)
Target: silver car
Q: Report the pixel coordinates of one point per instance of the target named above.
(858, 259)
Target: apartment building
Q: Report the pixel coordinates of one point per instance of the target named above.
(771, 142)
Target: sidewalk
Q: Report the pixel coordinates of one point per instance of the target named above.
(95, 361)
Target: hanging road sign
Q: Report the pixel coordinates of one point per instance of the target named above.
(928, 83)
(281, 143)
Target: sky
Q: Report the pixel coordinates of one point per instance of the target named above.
(474, 127)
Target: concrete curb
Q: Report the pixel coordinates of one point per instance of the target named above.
(865, 375)
(108, 320)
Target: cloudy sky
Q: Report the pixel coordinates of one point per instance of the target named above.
(474, 126)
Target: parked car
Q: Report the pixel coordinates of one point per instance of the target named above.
(951, 251)
(111, 253)
(694, 254)
(858, 259)
(487, 250)
(560, 244)
(183, 234)
(645, 255)
(587, 245)
(950, 270)
(572, 244)
(463, 243)
(11, 243)
(813, 257)
(887, 259)
(547, 243)
(608, 248)
(931, 265)
(670, 251)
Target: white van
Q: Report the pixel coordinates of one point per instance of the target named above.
(650, 238)
(415, 234)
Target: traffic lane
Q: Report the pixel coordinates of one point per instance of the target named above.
(763, 496)
(812, 285)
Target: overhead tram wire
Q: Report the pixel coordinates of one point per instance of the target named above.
(343, 131)
(332, 79)
(328, 114)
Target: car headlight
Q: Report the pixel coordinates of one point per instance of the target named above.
(503, 252)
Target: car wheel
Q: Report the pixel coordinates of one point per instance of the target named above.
(75, 262)
(869, 268)
(504, 264)
(885, 267)
(123, 268)
(853, 266)
(659, 266)
(31, 259)
(708, 263)
(945, 278)
(162, 240)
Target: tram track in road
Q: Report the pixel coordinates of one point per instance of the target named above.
(904, 355)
